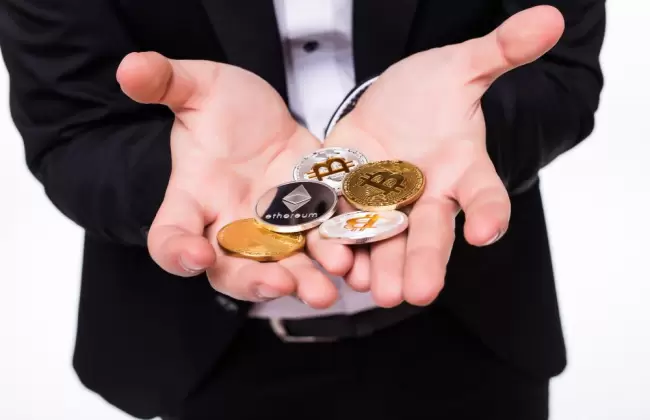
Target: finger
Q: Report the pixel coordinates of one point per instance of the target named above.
(313, 287)
(175, 240)
(251, 281)
(521, 39)
(151, 78)
(430, 239)
(359, 276)
(335, 258)
(387, 270)
(484, 199)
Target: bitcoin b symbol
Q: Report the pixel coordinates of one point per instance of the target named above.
(322, 170)
(385, 181)
(359, 224)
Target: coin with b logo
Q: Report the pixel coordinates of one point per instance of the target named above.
(362, 227)
(329, 166)
(384, 185)
(296, 206)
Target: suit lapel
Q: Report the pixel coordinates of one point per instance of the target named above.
(248, 33)
(381, 29)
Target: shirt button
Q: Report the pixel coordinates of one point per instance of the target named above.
(226, 303)
(310, 46)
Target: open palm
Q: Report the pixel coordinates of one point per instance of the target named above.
(426, 110)
(232, 140)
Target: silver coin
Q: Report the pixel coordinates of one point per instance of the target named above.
(363, 227)
(329, 166)
(296, 206)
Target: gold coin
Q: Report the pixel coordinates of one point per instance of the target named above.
(384, 185)
(246, 238)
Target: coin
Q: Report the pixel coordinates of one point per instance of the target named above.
(384, 185)
(362, 227)
(296, 206)
(246, 238)
(329, 165)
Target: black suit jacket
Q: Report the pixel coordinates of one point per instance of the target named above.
(146, 338)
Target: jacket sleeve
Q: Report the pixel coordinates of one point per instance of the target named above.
(104, 161)
(538, 111)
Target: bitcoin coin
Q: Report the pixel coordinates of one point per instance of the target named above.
(296, 206)
(246, 238)
(384, 185)
(329, 165)
(362, 227)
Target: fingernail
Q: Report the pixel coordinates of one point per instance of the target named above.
(494, 239)
(266, 292)
(189, 266)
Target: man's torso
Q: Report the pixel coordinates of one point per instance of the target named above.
(145, 337)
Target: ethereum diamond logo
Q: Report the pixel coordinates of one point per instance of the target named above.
(296, 198)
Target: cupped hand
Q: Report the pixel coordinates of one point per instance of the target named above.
(426, 110)
(232, 139)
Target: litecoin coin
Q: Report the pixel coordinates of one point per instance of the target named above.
(384, 185)
(329, 165)
(361, 227)
(296, 206)
(246, 238)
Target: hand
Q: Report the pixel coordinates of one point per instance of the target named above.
(426, 110)
(232, 139)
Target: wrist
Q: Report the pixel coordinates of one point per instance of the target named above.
(348, 103)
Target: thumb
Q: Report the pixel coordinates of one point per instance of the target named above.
(151, 78)
(175, 241)
(521, 39)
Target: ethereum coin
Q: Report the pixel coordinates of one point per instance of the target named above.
(296, 206)
(246, 238)
(384, 185)
(362, 227)
(329, 165)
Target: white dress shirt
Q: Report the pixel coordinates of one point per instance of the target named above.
(317, 44)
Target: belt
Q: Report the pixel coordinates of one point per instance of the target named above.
(336, 327)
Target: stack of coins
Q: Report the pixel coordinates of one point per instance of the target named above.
(285, 212)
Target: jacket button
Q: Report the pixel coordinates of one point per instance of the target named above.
(226, 303)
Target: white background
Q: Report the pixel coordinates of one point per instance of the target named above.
(598, 214)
